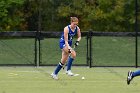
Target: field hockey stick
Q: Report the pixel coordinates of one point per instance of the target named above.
(69, 55)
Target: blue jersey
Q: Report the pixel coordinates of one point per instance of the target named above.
(71, 34)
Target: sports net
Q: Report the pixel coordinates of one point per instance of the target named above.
(113, 51)
(17, 51)
(51, 53)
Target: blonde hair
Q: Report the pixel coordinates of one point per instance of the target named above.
(73, 19)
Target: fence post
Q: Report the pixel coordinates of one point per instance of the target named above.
(36, 52)
(90, 48)
(136, 33)
(87, 48)
(39, 32)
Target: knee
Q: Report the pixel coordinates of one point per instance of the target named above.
(73, 55)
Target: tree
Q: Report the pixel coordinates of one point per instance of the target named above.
(11, 14)
(101, 15)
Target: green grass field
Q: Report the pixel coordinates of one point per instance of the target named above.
(38, 80)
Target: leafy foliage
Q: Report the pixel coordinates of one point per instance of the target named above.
(101, 15)
(11, 14)
(53, 15)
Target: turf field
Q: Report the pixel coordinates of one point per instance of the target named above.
(38, 80)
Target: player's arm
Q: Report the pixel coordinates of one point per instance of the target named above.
(78, 37)
(66, 38)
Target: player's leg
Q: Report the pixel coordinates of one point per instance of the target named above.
(131, 75)
(60, 65)
(70, 61)
(136, 73)
(63, 61)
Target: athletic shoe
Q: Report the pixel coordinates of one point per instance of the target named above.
(129, 77)
(54, 76)
(69, 73)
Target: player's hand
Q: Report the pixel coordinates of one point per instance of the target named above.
(76, 43)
